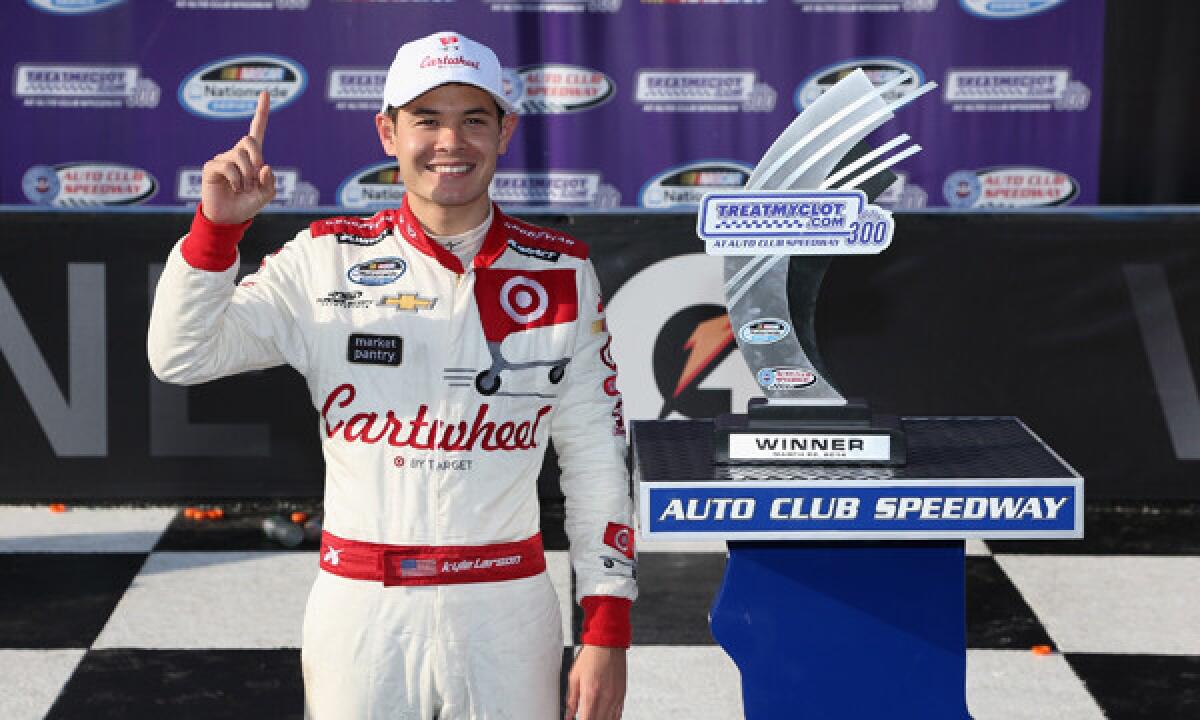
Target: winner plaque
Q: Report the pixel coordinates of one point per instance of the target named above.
(807, 201)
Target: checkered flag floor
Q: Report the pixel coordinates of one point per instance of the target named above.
(143, 613)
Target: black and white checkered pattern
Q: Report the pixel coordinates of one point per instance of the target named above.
(141, 613)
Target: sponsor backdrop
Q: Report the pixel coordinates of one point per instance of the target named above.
(1078, 324)
(624, 103)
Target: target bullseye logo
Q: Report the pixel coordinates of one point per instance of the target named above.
(524, 299)
(622, 540)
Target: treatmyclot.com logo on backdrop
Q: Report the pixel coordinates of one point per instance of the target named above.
(1008, 9)
(554, 6)
(554, 187)
(228, 88)
(73, 7)
(87, 185)
(866, 6)
(1014, 90)
(683, 186)
(703, 2)
(356, 88)
(1014, 186)
(903, 194)
(290, 190)
(242, 4)
(74, 85)
(703, 91)
(879, 70)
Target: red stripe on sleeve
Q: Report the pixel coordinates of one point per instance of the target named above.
(606, 621)
(212, 246)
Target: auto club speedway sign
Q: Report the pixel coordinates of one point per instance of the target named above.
(863, 509)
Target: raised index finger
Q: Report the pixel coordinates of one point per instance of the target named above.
(258, 125)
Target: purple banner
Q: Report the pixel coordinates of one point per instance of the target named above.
(624, 103)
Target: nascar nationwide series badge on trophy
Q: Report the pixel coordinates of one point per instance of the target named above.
(807, 200)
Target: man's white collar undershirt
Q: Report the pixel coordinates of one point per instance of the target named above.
(465, 245)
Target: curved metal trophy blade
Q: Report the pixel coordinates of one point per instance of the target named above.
(809, 150)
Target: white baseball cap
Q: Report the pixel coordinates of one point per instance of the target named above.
(440, 58)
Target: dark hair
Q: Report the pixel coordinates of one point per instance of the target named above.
(394, 110)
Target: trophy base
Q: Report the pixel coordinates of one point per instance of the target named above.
(847, 434)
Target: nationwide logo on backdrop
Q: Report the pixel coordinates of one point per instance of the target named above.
(85, 86)
(242, 4)
(356, 88)
(553, 187)
(553, 88)
(554, 6)
(290, 190)
(375, 187)
(1014, 186)
(229, 88)
(73, 7)
(878, 69)
(684, 185)
(866, 6)
(1014, 89)
(88, 184)
(1007, 9)
(702, 91)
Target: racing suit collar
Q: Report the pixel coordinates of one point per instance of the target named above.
(493, 243)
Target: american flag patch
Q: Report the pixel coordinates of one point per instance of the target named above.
(418, 567)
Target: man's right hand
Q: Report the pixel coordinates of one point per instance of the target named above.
(238, 182)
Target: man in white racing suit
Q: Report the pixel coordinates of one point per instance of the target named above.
(444, 345)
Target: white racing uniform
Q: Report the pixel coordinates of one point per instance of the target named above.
(437, 389)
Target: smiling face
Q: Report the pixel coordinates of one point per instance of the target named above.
(446, 142)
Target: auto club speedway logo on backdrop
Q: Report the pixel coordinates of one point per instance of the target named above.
(290, 190)
(71, 85)
(675, 347)
(73, 7)
(375, 187)
(242, 4)
(702, 91)
(554, 6)
(866, 6)
(229, 88)
(553, 88)
(878, 69)
(1014, 89)
(553, 187)
(684, 185)
(1007, 9)
(1014, 186)
(88, 184)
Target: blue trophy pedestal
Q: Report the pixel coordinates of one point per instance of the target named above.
(843, 594)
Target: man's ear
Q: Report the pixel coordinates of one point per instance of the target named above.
(387, 133)
(508, 126)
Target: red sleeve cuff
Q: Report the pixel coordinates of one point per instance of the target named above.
(212, 246)
(606, 621)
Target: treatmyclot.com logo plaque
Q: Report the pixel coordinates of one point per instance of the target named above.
(808, 200)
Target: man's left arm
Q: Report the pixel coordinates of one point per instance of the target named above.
(589, 436)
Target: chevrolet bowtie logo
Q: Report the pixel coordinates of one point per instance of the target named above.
(412, 302)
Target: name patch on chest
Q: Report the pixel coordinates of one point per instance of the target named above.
(374, 349)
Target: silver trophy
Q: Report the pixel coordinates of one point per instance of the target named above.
(808, 199)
